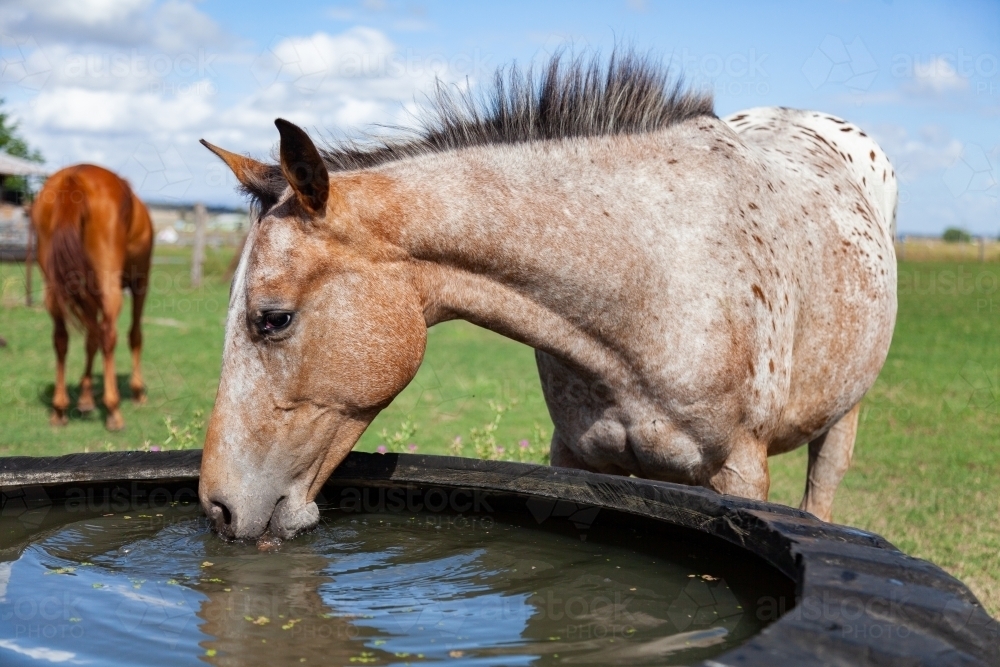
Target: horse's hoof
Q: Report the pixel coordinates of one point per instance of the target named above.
(139, 397)
(114, 422)
(58, 418)
(85, 405)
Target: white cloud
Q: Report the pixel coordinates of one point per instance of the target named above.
(307, 62)
(173, 26)
(116, 112)
(936, 77)
(342, 82)
(929, 82)
(179, 26)
(942, 181)
(931, 150)
(133, 108)
(398, 16)
(86, 18)
(37, 653)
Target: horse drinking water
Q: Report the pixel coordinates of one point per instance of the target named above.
(94, 238)
(701, 294)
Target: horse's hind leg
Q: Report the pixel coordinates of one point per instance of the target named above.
(86, 400)
(829, 458)
(111, 306)
(60, 341)
(138, 387)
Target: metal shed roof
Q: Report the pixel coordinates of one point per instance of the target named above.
(16, 166)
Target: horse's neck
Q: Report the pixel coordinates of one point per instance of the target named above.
(528, 250)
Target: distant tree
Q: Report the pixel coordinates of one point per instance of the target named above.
(956, 235)
(12, 143)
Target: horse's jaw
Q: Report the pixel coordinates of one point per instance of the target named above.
(264, 480)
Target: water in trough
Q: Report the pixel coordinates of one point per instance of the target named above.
(155, 586)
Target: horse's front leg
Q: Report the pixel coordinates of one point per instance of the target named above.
(582, 438)
(744, 472)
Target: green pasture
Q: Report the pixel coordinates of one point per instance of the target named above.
(926, 471)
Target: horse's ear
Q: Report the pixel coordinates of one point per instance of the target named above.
(247, 171)
(303, 167)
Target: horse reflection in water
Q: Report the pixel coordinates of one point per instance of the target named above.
(269, 611)
(395, 588)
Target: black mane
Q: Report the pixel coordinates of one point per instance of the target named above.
(629, 94)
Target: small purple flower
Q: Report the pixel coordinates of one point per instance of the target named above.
(412, 446)
(458, 440)
(500, 450)
(154, 448)
(381, 449)
(524, 444)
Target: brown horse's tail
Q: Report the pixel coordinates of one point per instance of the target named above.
(71, 275)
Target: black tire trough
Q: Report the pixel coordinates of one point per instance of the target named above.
(858, 599)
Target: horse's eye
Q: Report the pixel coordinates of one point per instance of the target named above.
(274, 321)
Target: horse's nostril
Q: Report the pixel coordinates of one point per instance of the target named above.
(219, 510)
(227, 517)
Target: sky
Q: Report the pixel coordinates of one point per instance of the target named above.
(133, 84)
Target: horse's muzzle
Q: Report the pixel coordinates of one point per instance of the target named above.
(282, 519)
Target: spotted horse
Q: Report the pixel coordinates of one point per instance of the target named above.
(701, 293)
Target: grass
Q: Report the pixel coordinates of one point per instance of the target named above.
(926, 471)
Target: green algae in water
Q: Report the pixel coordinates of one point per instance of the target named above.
(157, 587)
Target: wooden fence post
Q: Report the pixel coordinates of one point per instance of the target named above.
(28, 262)
(198, 254)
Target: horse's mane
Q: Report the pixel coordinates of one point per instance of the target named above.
(627, 94)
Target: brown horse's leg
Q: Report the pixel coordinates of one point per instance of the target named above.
(829, 458)
(112, 305)
(60, 340)
(86, 401)
(138, 387)
(745, 472)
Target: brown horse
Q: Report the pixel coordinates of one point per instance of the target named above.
(94, 238)
(701, 293)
